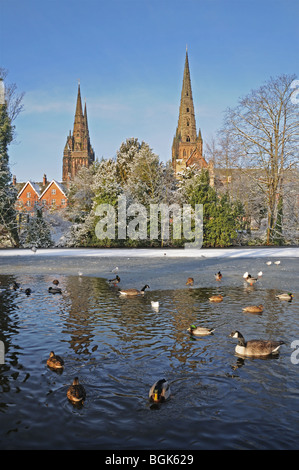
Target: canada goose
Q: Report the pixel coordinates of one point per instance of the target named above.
(76, 392)
(216, 298)
(253, 309)
(115, 281)
(218, 276)
(56, 282)
(160, 391)
(55, 362)
(200, 331)
(54, 290)
(131, 292)
(190, 281)
(255, 347)
(286, 296)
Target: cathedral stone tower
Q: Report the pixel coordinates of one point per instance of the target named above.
(187, 144)
(77, 151)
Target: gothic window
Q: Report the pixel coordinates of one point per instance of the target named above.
(188, 123)
(187, 109)
(187, 138)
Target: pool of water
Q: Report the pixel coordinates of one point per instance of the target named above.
(118, 347)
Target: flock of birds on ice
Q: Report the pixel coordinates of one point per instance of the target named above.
(160, 390)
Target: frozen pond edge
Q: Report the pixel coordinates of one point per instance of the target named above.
(285, 252)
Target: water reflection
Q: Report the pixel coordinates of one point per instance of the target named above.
(118, 346)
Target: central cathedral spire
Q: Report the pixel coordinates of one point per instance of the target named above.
(187, 145)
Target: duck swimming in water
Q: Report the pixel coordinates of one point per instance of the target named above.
(253, 309)
(190, 281)
(54, 290)
(216, 298)
(218, 276)
(55, 362)
(255, 347)
(160, 391)
(133, 292)
(200, 331)
(76, 392)
(285, 296)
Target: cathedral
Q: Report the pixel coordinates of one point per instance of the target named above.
(187, 143)
(78, 151)
(187, 152)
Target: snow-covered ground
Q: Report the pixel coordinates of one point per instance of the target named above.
(285, 252)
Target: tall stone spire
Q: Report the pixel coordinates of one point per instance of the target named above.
(187, 123)
(77, 151)
(187, 145)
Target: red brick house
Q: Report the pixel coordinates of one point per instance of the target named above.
(48, 195)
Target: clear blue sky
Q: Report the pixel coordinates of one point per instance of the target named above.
(129, 56)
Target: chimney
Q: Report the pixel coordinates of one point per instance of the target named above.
(45, 180)
(14, 180)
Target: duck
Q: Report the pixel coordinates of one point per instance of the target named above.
(216, 298)
(200, 330)
(251, 280)
(15, 285)
(132, 292)
(285, 296)
(27, 291)
(76, 392)
(54, 290)
(55, 362)
(56, 282)
(218, 276)
(255, 347)
(190, 281)
(115, 281)
(277, 263)
(253, 309)
(160, 391)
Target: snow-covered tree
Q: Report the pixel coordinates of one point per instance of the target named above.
(37, 231)
(8, 195)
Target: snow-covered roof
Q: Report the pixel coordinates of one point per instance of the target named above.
(35, 187)
(59, 186)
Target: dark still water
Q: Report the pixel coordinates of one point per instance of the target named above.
(118, 347)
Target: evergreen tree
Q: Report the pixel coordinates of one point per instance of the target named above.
(8, 195)
(221, 217)
(37, 231)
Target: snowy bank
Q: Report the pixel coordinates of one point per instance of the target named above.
(272, 252)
